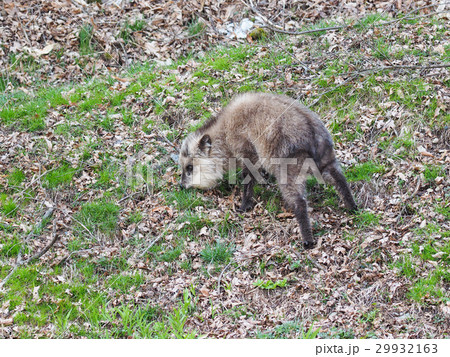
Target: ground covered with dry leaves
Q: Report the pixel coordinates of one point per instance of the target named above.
(98, 240)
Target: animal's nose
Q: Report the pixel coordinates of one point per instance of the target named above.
(181, 184)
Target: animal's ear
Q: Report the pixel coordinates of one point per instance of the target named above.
(205, 143)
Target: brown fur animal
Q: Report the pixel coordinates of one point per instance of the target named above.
(269, 132)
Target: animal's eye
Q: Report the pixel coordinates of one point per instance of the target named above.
(189, 169)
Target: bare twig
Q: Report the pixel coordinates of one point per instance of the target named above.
(358, 73)
(220, 276)
(265, 19)
(332, 89)
(23, 30)
(19, 261)
(46, 216)
(47, 247)
(84, 227)
(67, 257)
(129, 196)
(5, 280)
(152, 243)
(382, 68)
(167, 140)
(38, 178)
(316, 264)
(277, 28)
(419, 182)
(296, 33)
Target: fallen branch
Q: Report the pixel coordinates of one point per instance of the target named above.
(271, 26)
(382, 68)
(358, 73)
(296, 33)
(220, 276)
(67, 257)
(85, 228)
(331, 90)
(38, 178)
(19, 261)
(46, 216)
(152, 243)
(47, 247)
(129, 196)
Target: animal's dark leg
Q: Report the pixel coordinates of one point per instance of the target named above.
(301, 213)
(247, 196)
(341, 185)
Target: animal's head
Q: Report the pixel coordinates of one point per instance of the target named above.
(201, 165)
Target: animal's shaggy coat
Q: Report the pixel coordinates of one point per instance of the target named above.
(269, 132)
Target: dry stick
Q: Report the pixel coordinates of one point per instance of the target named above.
(331, 90)
(23, 30)
(85, 228)
(295, 33)
(255, 10)
(38, 178)
(47, 247)
(150, 245)
(67, 257)
(165, 139)
(275, 28)
(46, 216)
(129, 196)
(220, 276)
(355, 74)
(382, 68)
(19, 260)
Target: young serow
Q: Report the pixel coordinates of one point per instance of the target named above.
(267, 132)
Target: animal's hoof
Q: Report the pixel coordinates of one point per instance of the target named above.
(308, 245)
(246, 206)
(354, 210)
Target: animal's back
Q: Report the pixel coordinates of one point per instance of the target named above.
(274, 126)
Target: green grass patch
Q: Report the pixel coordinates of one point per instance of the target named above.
(270, 285)
(381, 49)
(290, 329)
(170, 255)
(61, 176)
(8, 206)
(365, 219)
(406, 266)
(363, 172)
(127, 321)
(135, 217)
(184, 199)
(124, 283)
(444, 209)
(369, 20)
(16, 177)
(98, 217)
(196, 27)
(85, 38)
(219, 253)
(10, 246)
(432, 172)
(226, 227)
(128, 28)
(191, 223)
(431, 287)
